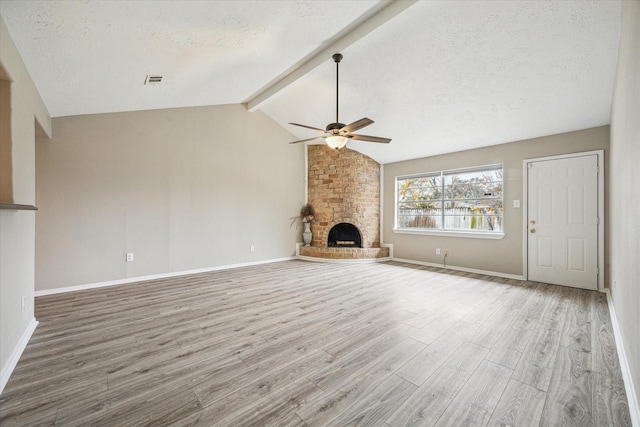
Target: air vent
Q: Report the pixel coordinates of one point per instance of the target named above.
(152, 80)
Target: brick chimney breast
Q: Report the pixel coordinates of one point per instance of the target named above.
(344, 186)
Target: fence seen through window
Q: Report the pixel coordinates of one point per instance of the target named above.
(460, 200)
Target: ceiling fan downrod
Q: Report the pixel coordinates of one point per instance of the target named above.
(337, 57)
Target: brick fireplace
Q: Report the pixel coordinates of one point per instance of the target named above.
(344, 188)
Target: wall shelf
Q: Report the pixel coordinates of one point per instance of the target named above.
(15, 207)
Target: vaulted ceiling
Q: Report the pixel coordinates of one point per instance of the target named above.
(436, 76)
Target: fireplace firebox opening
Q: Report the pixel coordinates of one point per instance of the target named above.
(344, 235)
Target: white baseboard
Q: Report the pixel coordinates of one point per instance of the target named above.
(154, 277)
(632, 396)
(8, 368)
(467, 270)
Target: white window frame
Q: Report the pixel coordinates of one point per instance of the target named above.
(443, 231)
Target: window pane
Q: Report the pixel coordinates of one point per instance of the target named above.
(420, 202)
(472, 185)
(427, 188)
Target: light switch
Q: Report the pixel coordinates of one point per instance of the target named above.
(516, 204)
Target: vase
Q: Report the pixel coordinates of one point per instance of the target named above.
(306, 234)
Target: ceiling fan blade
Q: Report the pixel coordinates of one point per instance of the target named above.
(358, 124)
(370, 138)
(308, 127)
(308, 139)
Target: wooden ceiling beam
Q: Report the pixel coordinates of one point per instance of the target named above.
(377, 17)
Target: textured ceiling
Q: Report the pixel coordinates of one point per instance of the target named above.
(92, 56)
(441, 76)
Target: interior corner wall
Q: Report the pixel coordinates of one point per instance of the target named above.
(502, 256)
(17, 228)
(182, 189)
(6, 159)
(624, 190)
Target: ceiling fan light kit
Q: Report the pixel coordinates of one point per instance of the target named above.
(336, 141)
(337, 134)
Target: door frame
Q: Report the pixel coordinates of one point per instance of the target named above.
(601, 210)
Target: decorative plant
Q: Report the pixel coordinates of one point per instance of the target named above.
(306, 215)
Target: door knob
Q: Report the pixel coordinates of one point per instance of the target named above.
(532, 221)
(533, 230)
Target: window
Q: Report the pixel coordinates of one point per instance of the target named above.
(467, 200)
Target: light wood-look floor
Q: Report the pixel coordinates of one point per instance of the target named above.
(298, 343)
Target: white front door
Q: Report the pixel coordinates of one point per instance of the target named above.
(562, 221)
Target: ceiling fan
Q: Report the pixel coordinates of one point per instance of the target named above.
(337, 134)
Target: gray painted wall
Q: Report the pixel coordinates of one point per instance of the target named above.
(17, 228)
(625, 191)
(182, 189)
(498, 256)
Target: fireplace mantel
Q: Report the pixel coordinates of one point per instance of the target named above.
(17, 207)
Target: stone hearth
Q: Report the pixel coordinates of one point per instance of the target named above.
(344, 253)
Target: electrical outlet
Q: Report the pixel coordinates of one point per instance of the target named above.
(437, 251)
(129, 256)
(252, 248)
(24, 303)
